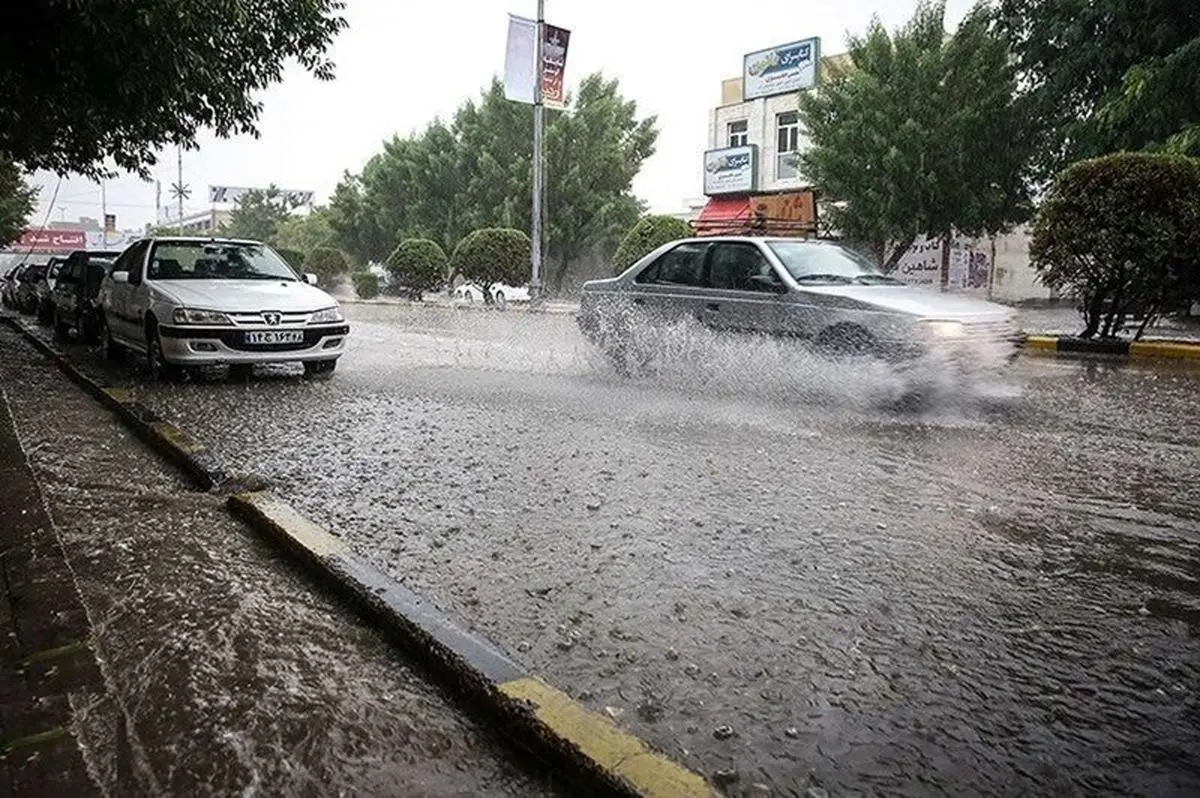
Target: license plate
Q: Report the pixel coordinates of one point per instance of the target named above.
(275, 337)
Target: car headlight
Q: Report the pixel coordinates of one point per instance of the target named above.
(195, 316)
(327, 315)
(943, 329)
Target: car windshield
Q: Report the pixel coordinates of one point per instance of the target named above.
(216, 260)
(810, 262)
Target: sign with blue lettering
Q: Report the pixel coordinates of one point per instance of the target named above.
(732, 170)
(779, 70)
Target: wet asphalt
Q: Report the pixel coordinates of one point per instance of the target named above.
(228, 672)
(754, 562)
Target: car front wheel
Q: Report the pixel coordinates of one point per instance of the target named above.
(111, 349)
(61, 329)
(158, 366)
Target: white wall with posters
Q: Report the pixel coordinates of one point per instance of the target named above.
(1009, 277)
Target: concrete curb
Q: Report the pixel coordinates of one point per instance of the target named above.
(523, 307)
(540, 716)
(1064, 345)
(179, 448)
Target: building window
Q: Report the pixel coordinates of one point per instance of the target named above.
(787, 145)
(739, 135)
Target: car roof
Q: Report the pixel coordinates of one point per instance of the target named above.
(204, 240)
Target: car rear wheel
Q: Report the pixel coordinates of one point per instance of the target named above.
(62, 330)
(846, 340)
(317, 368)
(158, 366)
(111, 349)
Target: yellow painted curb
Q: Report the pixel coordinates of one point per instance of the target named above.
(177, 437)
(1164, 349)
(629, 759)
(1041, 342)
(290, 524)
(120, 395)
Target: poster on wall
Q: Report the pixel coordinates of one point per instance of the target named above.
(921, 264)
(731, 170)
(781, 70)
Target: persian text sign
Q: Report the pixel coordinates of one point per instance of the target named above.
(520, 67)
(732, 170)
(232, 194)
(52, 240)
(554, 66)
(779, 70)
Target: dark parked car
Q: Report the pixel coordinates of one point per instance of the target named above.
(45, 287)
(8, 290)
(27, 287)
(73, 302)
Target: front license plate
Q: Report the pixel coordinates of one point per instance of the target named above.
(275, 337)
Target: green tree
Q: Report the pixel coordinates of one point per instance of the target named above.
(132, 77)
(647, 235)
(419, 265)
(294, 257)
(16, 201)
(258, 215)
(306, 232)
(328, 264)
(1105, 75)
(1121, 234)
(920, 134)
(366, 285)
(475, 172)
(491, 256)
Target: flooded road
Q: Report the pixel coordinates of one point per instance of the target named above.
(748, 562)
(229, 673)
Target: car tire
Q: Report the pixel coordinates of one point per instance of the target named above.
(45, 313)
(112, 350)
(62, 330)
(319, 368)
(500, 300)
(161, 369)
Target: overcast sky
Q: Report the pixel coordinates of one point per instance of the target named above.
(401, 63)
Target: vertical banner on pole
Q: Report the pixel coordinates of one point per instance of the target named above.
(519, 57)
(554, 66)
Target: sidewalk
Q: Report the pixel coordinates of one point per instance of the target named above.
(1067, 322)
(47, 667)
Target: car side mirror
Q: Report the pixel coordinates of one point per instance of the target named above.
(310, 278)
(120, 277)
(769, 282)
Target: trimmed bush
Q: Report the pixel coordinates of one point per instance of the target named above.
(1121, 234)
(419, 265)
(366, 285)
(294, 257)
(328, 264)
(647, 235)
(493, 255)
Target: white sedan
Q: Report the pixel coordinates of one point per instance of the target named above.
(501, 293)
(184, 302)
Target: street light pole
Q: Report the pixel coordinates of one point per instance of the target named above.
(539, 118)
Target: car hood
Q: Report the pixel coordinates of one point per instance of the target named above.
(917, 301)
(246, 296)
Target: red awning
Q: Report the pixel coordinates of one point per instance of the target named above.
(723, 216)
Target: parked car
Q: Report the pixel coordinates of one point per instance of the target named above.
(44, 288)
(74, 302)
(26, 299)
(183, 302)
(817, 291)
(501, 294)
(8, 290)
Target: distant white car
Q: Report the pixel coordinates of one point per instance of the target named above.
(501, 293)
(200, 301)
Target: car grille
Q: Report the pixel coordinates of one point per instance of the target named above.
(233, 338)
(255, 319)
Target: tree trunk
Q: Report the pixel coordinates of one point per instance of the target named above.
(1091, 315)
(560, 273)
(945, 270)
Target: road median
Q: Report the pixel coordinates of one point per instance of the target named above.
(1122, 348)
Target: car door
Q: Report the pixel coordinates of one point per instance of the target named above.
(672, 288)
(66, 289)
(120, 311)
(745, 292)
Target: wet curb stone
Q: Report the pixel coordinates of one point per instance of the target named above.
(182, 450)
(539, 715)
(1064, 345)
(46, 658)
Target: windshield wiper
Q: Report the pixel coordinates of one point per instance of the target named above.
(876, 278)
(836, 278)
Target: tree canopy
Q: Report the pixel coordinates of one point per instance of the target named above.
(919, 134)
(89, 82)
(1106, 75)
(1121, 234)
(419, 265)
(648, 234)
(258, 215)
(16, 201)
(492, 255)
(476, 172)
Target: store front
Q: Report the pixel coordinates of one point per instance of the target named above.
(736, 207)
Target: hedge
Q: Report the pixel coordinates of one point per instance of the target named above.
(493, 255)
(419, 265)
(647, 235)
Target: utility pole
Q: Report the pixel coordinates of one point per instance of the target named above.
(539, 118)
(181, 192)
(104, 212)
